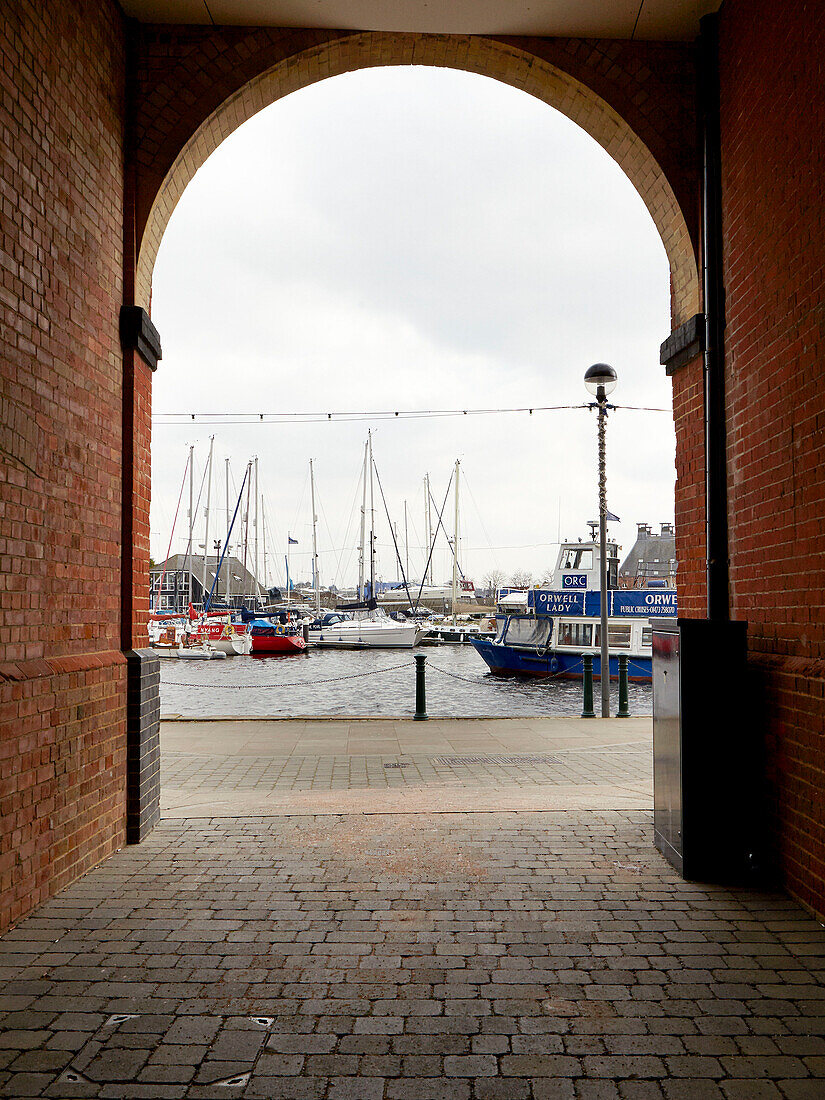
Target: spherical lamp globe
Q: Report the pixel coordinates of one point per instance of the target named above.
(600, 380)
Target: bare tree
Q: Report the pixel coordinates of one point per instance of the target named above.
(522, 578)
(493, 580)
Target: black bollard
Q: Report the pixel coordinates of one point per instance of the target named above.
(624, 710)
(420, 688)
(587, 684)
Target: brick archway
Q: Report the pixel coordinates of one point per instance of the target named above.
(175, 156)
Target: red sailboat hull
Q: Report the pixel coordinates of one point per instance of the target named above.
(278, 643)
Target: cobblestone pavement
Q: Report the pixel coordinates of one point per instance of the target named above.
(552, 956)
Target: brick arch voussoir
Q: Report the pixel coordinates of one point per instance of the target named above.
(574, 77)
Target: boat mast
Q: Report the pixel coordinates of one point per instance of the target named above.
(455, 545)
(406, 542)
(363, 524)
(428, 528)
(191, 511)
(208, 502)
(315, 579)
(257, 582)
(246, 531)
(372, 520)
(263, 541)
(227, 548)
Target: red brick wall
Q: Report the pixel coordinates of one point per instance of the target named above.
(62, 675)
(773, 120)
(688, 416)
(186, 73)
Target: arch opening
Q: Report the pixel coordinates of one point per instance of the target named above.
(271, 140)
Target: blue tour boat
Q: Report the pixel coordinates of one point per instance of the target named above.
(560, 623)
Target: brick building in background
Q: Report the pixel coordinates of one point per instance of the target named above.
(106, 117)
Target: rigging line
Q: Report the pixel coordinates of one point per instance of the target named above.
(197, 508)
(450, 544)
(298, 509)
(226, 544)
(347, 543)
(392, 532)
(172, 533)
(432, 546)
(480, 519)
(329, 532)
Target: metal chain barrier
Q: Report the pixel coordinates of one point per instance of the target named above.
(639, 668)
(295, 683)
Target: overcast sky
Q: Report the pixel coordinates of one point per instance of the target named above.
(413, 238)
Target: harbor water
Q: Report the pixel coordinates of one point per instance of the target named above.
(368, 683)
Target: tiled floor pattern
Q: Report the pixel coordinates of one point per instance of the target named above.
(513, 956)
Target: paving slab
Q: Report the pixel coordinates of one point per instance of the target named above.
(228, 768)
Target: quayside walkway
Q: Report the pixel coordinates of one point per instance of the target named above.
(493, 953)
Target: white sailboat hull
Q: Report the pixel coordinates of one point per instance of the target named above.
(366, 635)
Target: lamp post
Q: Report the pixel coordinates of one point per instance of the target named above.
(600, 380)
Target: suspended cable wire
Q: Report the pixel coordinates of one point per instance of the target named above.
(346, 417)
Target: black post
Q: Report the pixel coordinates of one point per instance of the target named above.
(420, 688)
(587, 684)
(624, 709)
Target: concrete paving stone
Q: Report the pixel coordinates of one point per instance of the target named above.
(501, 1088)
(597, 1090)
(800, 1090)
(116, 1064)
(361, 1088)
(22, 1085)
(641, 1090)
(541, 1065)
(21, 1039)
(552, 1088)
(40, 1061)
(750, 1090)
(428, 1088)
(770, 1067)
(299, 1088)
(167, 1074)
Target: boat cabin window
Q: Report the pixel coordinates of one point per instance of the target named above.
(618, 635)
(577, 558)
(577, 634)
(647, 636)
(529, 630)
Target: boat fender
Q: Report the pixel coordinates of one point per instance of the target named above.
(554, 664)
